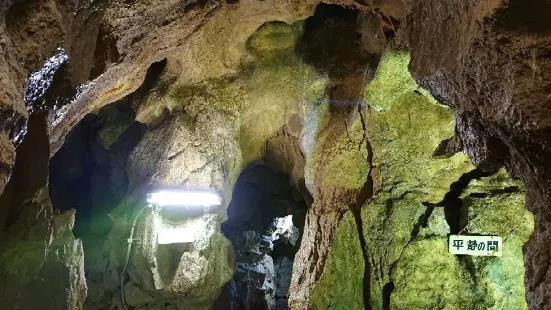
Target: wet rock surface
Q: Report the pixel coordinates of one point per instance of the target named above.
(319, 92)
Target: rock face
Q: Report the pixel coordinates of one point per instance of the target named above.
(397, 123)
(494, 79)
(404, 226)
(42, 260)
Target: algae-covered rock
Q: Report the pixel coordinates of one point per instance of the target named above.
(388, 226)
(406, 125)
(404, 226)
(340, 287)
(428, 277)
(497, 207)
(339, 161)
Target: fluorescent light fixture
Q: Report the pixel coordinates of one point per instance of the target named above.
(183, 198)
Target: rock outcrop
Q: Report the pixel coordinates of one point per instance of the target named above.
(41, 261)
(397, 122)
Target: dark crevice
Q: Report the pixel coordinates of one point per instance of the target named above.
(153, 75)
(30, 172)
(456, 213)
(356, 211)
(261, 199)
(106, 53)
(422, 222)
(496, 192)
(387, 291)
(90, 176)
(390, 24)
(362, 197)
(441, 150)
(47, 89)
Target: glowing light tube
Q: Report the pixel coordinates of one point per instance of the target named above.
(183, 198)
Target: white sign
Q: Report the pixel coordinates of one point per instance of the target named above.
(187, 232)
(169, 235)
(476, 245)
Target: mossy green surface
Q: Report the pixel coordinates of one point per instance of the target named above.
(405, 247)
(340, 161)
(406, 125)
(497, 207)
(387, 230)
(335, 155)
(428, 277)
(340, 287)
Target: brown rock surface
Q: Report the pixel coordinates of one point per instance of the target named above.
(494, 75)
(488, 60)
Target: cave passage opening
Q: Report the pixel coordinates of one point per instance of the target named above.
(265, 223)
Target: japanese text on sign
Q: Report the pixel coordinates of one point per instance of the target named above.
(476, 245)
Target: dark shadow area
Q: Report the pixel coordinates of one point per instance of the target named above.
(455, 211)
(30, 172)
(47, 89)
(265, 222)
(88, 172)
(532, 16)
(345, 44)
(106, 53)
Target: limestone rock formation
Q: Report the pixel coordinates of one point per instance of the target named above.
(390, 125)
(41, 260)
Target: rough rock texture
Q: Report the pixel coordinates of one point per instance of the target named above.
(167, 273)
(42, 261)
(341, 285)
(333, 136)
(179, 28)
(494, 76)
(199, 136)
(405, 225)
(30, 31)
(218, 81)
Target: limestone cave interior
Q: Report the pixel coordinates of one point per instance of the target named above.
(316, 155)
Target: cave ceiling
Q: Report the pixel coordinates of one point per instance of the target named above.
(396, 122)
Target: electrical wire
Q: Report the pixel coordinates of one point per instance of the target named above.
(129, 248)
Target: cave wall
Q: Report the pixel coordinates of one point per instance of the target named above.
(219, 109)
(391, 252)
(494, 79)
(198, 136)
(41, 260)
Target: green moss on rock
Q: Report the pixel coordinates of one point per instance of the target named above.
(387, 230)
(497, 207)
(428, 277)
(340, 287)
(406, 126)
